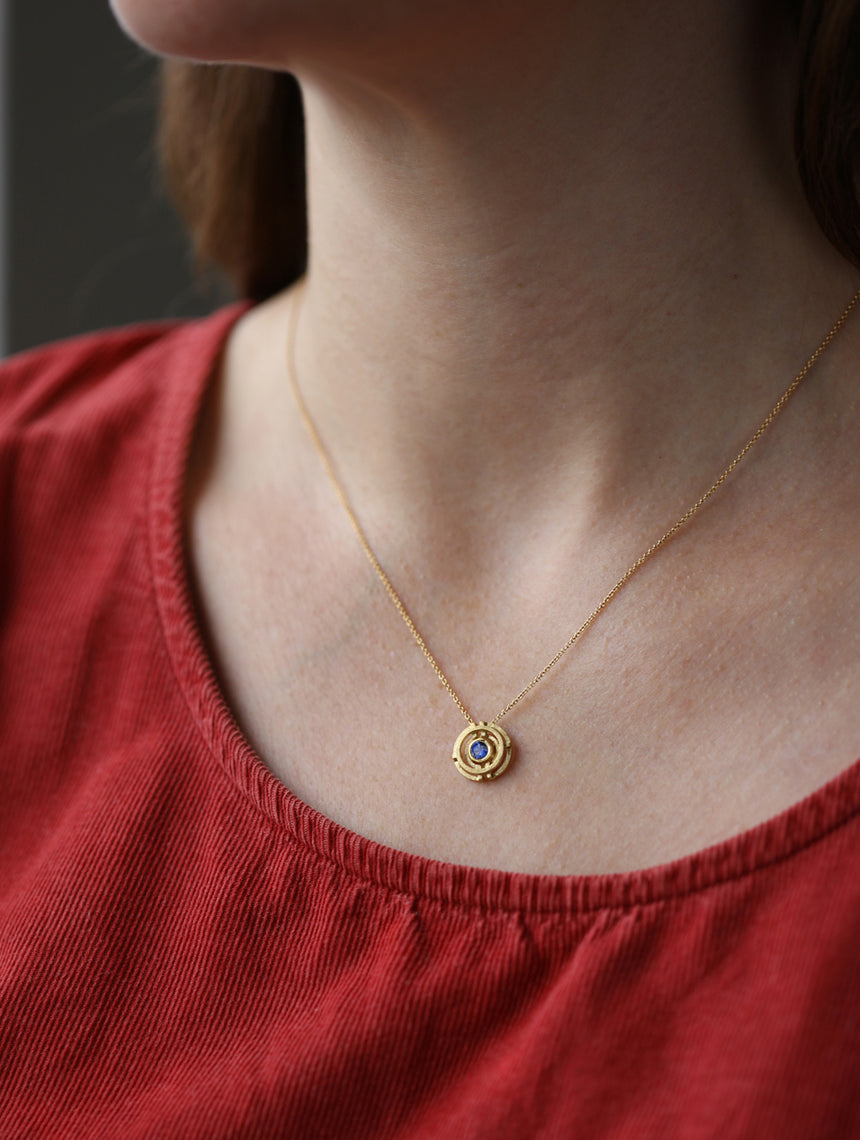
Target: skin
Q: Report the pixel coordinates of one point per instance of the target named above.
(561, 269)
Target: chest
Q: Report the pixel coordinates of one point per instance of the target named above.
(712, 694)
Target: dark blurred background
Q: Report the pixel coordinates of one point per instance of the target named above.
(89, 238)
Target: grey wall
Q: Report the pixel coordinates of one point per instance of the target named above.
(89, 242)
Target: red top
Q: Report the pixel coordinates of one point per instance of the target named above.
(186, 950)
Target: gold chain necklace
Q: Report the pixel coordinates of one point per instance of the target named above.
(483, 749)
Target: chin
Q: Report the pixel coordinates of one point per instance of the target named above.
(287, 34)
(208, 31)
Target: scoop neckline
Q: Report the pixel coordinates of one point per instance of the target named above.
(193, 353)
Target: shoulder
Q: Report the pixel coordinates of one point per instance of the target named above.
(65, 386)
(80, 424)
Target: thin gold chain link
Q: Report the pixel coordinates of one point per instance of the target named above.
(646, 555)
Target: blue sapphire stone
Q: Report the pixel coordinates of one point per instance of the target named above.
(479, 750)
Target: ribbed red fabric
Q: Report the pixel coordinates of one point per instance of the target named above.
(187, 950)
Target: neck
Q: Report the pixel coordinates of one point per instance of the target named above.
(560, 272)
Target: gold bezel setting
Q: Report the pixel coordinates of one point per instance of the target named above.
(482, 751)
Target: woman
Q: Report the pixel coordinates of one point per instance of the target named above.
(561, 267)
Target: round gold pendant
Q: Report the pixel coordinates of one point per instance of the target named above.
(482, 751)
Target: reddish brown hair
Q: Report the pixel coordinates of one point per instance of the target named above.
(232, 145)
(827, 118)
(232, 148)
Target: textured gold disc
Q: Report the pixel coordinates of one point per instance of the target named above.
(482, 751)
